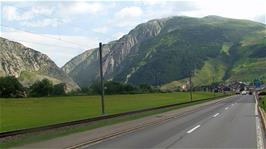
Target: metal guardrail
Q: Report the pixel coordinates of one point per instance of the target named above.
(93, 119)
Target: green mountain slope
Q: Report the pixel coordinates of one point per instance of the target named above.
(170, 49)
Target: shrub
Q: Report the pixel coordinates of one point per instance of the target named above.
(11, 87)
(41, 88)
(59, 89)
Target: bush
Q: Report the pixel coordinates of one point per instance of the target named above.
(41, 88)
(11, 87)
(111, 87)
(95, 88)
(263, 93)
(118, 88)
(145, 88)
(59, 89)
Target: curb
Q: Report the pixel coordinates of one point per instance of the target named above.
(259, 122)
(263, 118)
(262, 114)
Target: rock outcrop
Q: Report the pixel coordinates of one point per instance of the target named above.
(29, 65)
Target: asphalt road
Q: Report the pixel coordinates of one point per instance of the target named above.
(228, 124)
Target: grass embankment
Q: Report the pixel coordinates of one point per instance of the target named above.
(263, 99)
(33, 112)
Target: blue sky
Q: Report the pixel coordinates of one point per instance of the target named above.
(64, 29)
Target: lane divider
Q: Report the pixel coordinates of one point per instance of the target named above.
(193, 129)
(226, 108)
(216, 114)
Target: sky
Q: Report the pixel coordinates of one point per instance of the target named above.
(64, 29)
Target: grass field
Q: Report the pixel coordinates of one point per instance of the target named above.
(32, 112)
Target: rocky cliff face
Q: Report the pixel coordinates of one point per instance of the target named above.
(29, 65)
(165, 50)
(84, 68)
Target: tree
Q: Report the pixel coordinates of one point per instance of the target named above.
(59, 89)
(11, 87)
(41, 88)
(145, 88)
(96, 87)
(112, 87)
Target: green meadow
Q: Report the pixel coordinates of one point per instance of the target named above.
(19, 113)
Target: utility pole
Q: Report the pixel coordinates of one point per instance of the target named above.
(190, 86)
(102, 81)
(213, 86)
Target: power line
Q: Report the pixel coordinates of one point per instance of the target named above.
(46, 36)
(39, 43)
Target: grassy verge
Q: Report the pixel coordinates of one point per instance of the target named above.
(33, 112)
(263, 99)
(30, 138)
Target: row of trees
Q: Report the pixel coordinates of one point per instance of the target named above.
(111, 87)
(11, 87)
(46, 88)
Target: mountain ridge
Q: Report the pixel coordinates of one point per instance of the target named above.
(29, 65)
(132, 58)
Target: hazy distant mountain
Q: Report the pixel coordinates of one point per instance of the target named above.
(165, 50)
(29, 65)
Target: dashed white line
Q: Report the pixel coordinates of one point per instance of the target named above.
(193, 129)
(215, 114)
(226, 108)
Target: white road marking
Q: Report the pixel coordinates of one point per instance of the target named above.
(232, 104)
(215, 114)
(191, 130)
(226, 108)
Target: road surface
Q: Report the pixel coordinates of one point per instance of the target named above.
(228, 124)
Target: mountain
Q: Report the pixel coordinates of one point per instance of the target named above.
(29, 65)
(164, 50)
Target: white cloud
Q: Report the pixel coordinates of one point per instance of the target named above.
(11, 14)
(49, 14)
(31, 17)
(40, 10)
(59, 48)
(229, 8)
(129, 12)
(153, 2)
(77, 8)
(100, 29)
(128, 16)
(17, 14)
(118, 35)
(42, 23)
